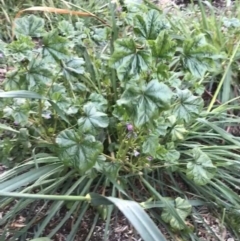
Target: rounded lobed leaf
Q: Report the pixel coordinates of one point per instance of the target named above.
(77, 150)
(201, 170)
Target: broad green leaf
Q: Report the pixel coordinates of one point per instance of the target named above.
(99, 101)
(183, 209)
(198, 56)
(152, 147)
(23, 45)
(38, 74)
(163, 47)
(77, 150)
(111, 168)
(178, 132)
(201, 170)
(66, 28)
(92, 118)
(29, 25)
(59, 111)
(20, 116)
(99, 165)
(14, 82)
(148, 25)
(54, 46)
(162, 71)
(73, 67)
(130, 59)
(160, 126)
(171, 157)
(187, 105)
(142, 103)
(135, 214)
(231, 22)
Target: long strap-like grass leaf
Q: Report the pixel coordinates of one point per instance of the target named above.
(135, 214)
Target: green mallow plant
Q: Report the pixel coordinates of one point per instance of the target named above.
(116, 111)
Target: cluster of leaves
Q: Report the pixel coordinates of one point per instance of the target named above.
(69, 88)
(113, 106)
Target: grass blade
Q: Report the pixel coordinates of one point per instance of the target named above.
(135, 214)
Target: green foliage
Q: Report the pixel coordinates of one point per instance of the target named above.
(183, 208)
(54, 46)
(197, 55)
(92, 118)
(130, 58)
(187, 105)
(29, 26)
(143, 102)
(119, 110)
(77, 150)
(163, 47)
(149, 25)
(202, 169)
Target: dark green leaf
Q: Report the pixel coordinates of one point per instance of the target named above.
(198, 56)
(73, 67)
(129, 59)
(77, 150)
(160, 126)
(99, 101)
(54, 46)
(144, 102)
(59, 111)
(92, 118)
(163, 47)
(38, 74)
(152, 147)
(148, 25)
(187, 105)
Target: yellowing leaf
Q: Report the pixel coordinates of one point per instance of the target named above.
(201, 169)
(182, 208)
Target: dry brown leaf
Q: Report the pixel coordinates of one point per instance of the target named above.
(56, 11)
(17, 225)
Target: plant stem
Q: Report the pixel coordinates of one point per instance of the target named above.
(45, 197)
